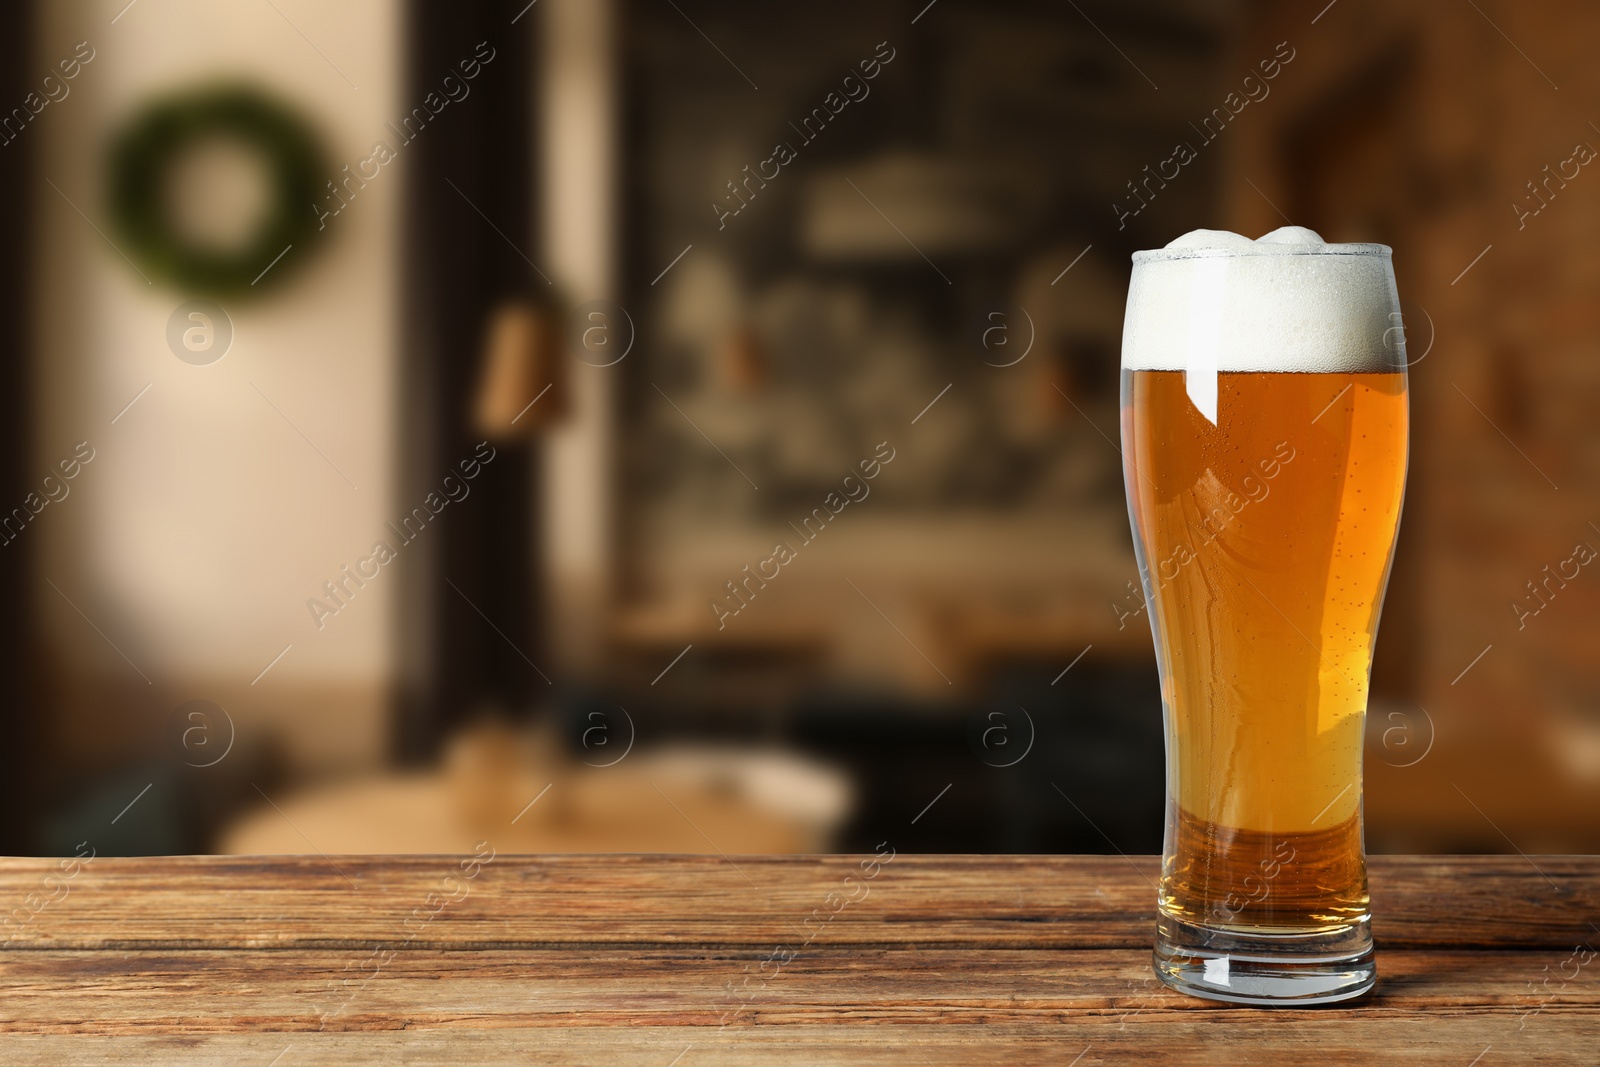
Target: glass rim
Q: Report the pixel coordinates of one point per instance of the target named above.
(1157, 255)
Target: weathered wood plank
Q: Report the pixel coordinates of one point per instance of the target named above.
(662, 960)
(1178, 1042)
(1023, 901)
(304, 990)
(844, 1004)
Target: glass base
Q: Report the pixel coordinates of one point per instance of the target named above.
(1291, 970)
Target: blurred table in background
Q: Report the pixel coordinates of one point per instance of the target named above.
(522, 795)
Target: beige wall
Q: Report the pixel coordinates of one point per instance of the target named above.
(206, 520)
(579, 213)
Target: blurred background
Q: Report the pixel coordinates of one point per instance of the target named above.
(677, 425)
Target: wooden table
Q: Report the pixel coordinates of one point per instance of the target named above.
(686, 960)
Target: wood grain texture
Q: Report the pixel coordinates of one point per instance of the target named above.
(635, 959)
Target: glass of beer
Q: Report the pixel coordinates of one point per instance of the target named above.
(1264, 422)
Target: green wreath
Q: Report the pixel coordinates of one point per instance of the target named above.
(140, 161)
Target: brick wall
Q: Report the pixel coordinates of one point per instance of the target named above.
(1419, 125)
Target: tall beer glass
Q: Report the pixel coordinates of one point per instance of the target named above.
(1264, 420)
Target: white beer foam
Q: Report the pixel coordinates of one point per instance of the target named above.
(1214, 301)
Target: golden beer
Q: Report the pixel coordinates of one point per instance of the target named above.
(1265, 503)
